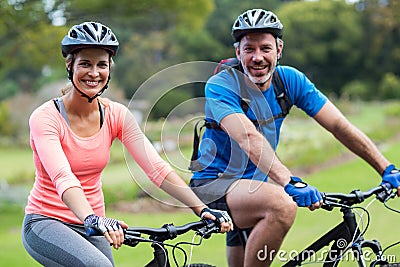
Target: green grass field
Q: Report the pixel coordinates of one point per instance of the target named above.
(321, 149)
(307, 227)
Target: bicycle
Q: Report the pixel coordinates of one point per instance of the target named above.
(158, 236)
(347, 234)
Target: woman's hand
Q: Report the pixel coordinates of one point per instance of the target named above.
(220, 216)
(110, 228)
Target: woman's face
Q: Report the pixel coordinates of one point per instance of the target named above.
(91, 70)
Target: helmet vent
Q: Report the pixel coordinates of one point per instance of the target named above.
(103, 33)
(88, 31)
(73, 34)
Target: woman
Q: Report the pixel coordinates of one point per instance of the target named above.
(71, 138)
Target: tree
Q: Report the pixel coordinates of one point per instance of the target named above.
(24, 33)
(219, 23)
(381, 24)
(321, 39)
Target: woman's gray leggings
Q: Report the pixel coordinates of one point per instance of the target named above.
(54, 243)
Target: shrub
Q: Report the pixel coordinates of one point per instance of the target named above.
(389, 87)
(357, 90)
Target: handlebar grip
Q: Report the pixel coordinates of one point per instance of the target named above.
(91, 231)
(388, 186)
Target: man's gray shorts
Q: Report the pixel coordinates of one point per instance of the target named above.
(213, 191)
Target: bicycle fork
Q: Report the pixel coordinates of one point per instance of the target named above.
(375, 246)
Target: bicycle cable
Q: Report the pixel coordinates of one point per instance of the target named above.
(161, 244)
(177, 245)
(396, 211)
(360, 223)
(386, 205)
(365, 210)
(191, 250)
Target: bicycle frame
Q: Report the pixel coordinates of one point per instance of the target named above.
(346, 232)
(160, 256)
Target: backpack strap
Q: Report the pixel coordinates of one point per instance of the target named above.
(232, 65)
(227, 64)
(281, 95)
(194, 164)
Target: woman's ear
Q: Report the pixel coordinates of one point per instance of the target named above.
(68, 65)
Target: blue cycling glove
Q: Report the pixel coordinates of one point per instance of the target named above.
(391, 175)
(303, 194)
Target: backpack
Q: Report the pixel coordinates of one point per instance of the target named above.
(281, 96)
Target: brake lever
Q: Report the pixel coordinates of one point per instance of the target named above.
(386, 194)
(132, 241)
(207, 230)
(329, 205)
(132, 238)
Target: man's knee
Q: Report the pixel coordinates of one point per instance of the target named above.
(286, 212)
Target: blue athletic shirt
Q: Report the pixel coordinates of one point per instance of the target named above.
(218, 153)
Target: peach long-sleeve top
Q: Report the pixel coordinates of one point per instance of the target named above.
(64, 160)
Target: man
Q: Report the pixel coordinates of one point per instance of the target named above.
(237, 154)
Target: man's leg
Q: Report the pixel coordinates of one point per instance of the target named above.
(266, 208)
(235, 242)
(235, 256)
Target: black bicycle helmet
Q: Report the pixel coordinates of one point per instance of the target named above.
(89, 34)
(257, 20)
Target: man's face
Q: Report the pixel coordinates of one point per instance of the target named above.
(258, 53)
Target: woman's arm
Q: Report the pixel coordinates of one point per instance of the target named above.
(76, 201)
(177, 188)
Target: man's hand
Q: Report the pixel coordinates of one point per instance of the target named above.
(303, 194)
(391, 175)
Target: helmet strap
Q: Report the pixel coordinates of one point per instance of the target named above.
(91, 98)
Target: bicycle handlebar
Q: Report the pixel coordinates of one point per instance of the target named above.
(167, 232)
(331, 200)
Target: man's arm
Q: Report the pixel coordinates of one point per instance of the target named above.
(335, 122)
(256, 146)
(260, 152)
